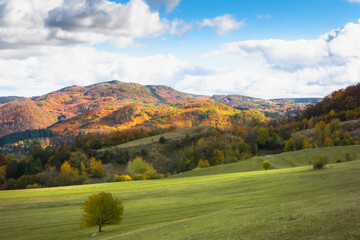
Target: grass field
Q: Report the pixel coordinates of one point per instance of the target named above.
(290, 203)
(304, 157)
(176, 134)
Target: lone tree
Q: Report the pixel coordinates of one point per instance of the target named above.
(266, 164)
(100, 210)
(319, 162)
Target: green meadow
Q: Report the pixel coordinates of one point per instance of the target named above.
(284, 203)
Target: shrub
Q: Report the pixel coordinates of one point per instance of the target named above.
(139, 177)
(266, 165)
(123, 157)
(319, 162)
(32, 186)
(121, 178)
(203, 164)
(138, 166)
(153, 175)
(144, 152)
(162, 140)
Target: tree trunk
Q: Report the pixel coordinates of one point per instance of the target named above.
(100, 229)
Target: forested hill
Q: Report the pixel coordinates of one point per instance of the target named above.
(9, 99)
(344, 102)
(116, 106)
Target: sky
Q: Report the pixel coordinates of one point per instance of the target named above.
(258, 48)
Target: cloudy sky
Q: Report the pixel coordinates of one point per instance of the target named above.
(260, 48)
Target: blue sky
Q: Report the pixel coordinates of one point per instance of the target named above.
(260, 48)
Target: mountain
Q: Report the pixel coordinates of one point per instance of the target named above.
(99, 105)
(24, 114)
(271, 108)
(115, 106)
(9, 99)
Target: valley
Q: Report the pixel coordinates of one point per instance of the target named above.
(253, 205)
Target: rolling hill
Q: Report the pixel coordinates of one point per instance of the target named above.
(9, 99)
(289, 203)
(115, 106)
(272, 108)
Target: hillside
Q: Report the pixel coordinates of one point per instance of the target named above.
(284, 160)
(24, 114)
(291, 203)
(344, 103)
(86, 103)
(272, 108)
(187, 114)
(115, 106)
(9, 99)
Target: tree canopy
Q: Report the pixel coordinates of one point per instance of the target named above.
(100, 210)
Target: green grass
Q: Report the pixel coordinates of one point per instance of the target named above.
(291, 203)
(176, 134)
(304, 157)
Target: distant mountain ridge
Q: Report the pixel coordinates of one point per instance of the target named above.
(115, 105)
(9, 99)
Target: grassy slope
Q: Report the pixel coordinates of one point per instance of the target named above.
(282, 160)
(176, 134)
(293, 203)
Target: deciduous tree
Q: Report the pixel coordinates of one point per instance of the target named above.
(100, 210)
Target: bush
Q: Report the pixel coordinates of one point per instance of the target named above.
(138, 166)
(266, 165)
(139, 177)
(162, 140)
(32, 186)
(319, 162)
(121, 178)
(203, 164)
(123, 157)
(144, 152)
(153, 175)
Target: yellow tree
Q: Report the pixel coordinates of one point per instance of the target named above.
(96, 168)
(100, 210)
(67, 169)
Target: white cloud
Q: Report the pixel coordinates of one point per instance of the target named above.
(62, 22)
(354, 1)
(179, 27)
(84, 66)
(293, 68)
(332, 49)
(100, 20)
(223, 24)
(170, 5)
(35, 55)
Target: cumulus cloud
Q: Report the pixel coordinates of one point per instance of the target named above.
(335, 48)
(223, 24)
(29, 23)
(315, 66)
(41, 45)
(179, 27)
(84, 66)
(60, 22)
(99, 20)
(170, 5)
